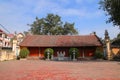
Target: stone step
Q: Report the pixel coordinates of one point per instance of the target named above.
(33, 58)
(85, 59)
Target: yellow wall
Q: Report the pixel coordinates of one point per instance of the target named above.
(115, 50)
(7, 55)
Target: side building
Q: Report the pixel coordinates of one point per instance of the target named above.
(6, 46)
(5, 39)
(9, 45)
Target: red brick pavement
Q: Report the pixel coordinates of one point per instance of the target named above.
(55, 70)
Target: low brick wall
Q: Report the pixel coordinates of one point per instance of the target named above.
(7, 55)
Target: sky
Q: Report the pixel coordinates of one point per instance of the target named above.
(88, 18)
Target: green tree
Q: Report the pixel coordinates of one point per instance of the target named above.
(118, 36)
(69, 29)
(112, 9)
(52, 25)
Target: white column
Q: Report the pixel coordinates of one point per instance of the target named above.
(14, 48)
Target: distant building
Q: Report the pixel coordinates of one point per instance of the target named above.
(5, 39)
(6, 52)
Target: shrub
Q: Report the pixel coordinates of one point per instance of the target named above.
(98, 54)
(24, 53)
(76, 52)
(46, 51)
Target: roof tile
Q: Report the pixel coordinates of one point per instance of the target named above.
(60, 41)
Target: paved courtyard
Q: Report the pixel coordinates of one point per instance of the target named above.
(56, 70)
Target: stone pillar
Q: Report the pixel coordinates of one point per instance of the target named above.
(74, 56)
(48, 55)
(108, 50)
(52, 57)
(14, 47)
(107, 44)
(17, 50)
(74, 52)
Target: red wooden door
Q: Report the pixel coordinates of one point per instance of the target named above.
(34, 51)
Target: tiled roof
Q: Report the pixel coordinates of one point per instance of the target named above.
(11, 35)
(60, 41)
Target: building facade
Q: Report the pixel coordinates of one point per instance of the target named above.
(37, 44)
(5, 39)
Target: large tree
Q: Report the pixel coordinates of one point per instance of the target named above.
(112, 9)
(52, 25)
(118, 36)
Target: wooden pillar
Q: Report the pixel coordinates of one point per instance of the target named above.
(39, 53)
(83, 53)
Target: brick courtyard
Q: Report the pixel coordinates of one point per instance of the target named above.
(56, 70)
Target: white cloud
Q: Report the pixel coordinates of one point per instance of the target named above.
(82, 13)
(44, 7)
(85, 1)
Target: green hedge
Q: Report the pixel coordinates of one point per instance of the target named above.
(24, 52)
(76, 52)
(51, 52)
(98, 54)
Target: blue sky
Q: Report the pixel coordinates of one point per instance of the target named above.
(16, 14)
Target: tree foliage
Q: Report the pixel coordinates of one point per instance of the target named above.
(112, 8)
(52, 25)
(118, 36)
